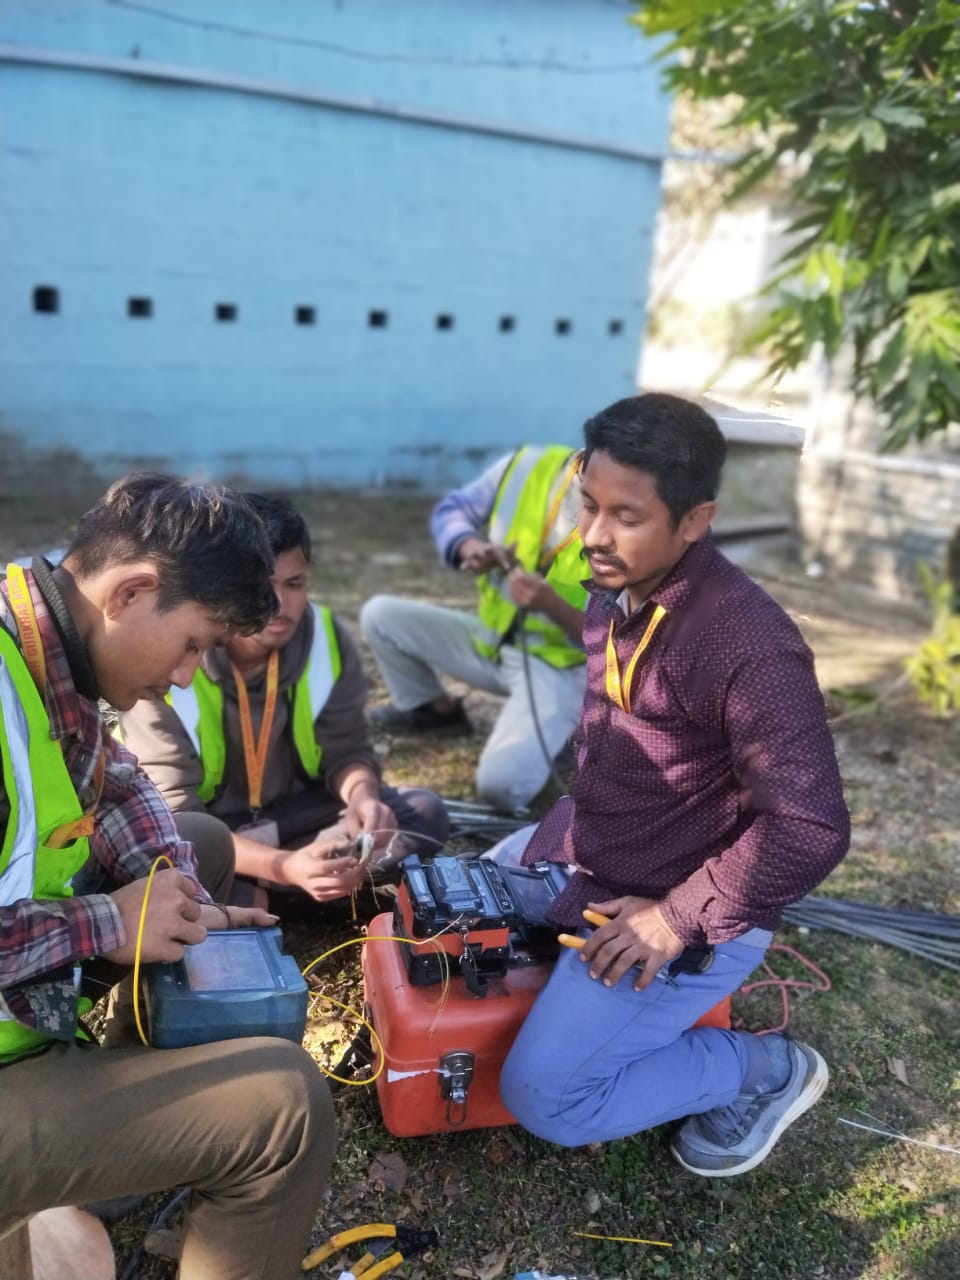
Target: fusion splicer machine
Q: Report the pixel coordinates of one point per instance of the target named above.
(477, 912)
(234, 983)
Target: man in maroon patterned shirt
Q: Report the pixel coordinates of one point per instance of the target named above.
(159, 570)
(707, 798)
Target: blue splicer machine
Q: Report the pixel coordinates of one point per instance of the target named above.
(235, 983)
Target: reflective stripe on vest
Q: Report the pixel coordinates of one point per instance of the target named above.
(519, 515)
(313, 689)
(28, 868)
(16, 879)
(200, 708)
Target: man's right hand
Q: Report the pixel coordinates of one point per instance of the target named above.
(172, 920)
(477, 555)
(327, 868)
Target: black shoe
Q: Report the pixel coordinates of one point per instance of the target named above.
(423, 719)
(111, 1210)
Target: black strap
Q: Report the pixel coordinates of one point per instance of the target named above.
(84, 679)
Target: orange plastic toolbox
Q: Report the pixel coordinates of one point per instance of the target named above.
(444, 1052)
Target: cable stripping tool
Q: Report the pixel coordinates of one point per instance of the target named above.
(690, 959)
(402, 1242)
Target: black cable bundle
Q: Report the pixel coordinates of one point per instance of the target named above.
(927, 934)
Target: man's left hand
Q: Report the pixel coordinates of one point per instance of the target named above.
(527, 590)
(636, 934)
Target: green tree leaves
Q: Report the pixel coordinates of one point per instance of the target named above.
(857, 106)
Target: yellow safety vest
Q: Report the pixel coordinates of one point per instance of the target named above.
(200, 708)
(42, 801)
(520, 513)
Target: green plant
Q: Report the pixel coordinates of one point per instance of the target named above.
(855, 106)
(934, 669)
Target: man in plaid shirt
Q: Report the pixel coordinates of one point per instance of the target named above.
(159, 571)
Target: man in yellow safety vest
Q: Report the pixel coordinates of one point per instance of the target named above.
(270, 737)
(515, 528)
(159, 570)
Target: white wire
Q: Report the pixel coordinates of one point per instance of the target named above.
(899, 1137)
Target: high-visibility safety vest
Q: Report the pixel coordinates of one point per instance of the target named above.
(520, 513)
(42, 800)
(200, 708)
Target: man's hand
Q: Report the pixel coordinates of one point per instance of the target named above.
(532, 592)
(369, 814)
(529, 590)
(172, 920)
(477, 555)
(636, 934)
(240, 917)
(326, 868)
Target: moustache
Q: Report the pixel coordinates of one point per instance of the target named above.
(591, 553)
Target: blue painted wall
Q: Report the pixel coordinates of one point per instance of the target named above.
(114, 187)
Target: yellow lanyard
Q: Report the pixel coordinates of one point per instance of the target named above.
(255, 749)
(30, 643)
(618, 691)
(547, 558)
(31, 646)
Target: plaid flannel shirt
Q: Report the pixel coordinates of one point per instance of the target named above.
(42, 941)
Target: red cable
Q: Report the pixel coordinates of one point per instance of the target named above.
(785, 985)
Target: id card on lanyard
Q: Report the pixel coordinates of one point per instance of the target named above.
(31, 646)
(546, 558)
(619, 689)
(255, 747)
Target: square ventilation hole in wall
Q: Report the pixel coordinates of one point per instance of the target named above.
(562, 327)
(140, 308)
(305, 315)
(46, 299)
(615, 328)
(507, 324)
(444, 322)
(378, 319)
(226, 312)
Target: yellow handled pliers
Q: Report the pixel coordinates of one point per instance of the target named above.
(402, 1240)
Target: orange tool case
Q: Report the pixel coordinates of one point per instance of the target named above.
(443, 1045)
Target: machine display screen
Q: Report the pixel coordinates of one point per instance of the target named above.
(228, 962)
(533, 893)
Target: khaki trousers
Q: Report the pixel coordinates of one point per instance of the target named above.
(247, 1124)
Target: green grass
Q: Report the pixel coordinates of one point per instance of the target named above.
(831, 1202)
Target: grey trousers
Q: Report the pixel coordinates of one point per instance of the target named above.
(247, 1124)
(415, 643)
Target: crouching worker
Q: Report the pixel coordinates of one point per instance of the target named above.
(707, 798)
(158, 571)
(515, 529)
(270, 736)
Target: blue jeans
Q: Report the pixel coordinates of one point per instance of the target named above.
(593, 1063)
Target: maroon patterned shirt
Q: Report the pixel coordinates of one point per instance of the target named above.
(719, 793)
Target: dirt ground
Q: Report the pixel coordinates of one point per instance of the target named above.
(847, 1205)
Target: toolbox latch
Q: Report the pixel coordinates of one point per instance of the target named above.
(456, 1073)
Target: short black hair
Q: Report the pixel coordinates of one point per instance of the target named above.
(285, 526)
(206, 542)
(672, 439)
